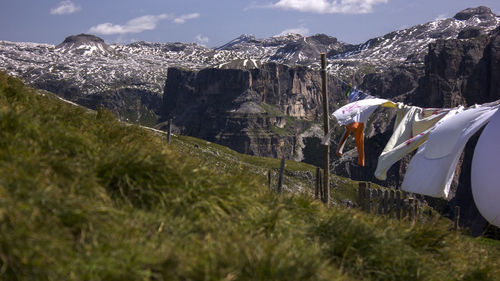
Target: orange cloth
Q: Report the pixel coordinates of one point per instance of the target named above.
(357, 128)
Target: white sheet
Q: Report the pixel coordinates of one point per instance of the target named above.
(431, 173)
(485, 172)
(358, 111)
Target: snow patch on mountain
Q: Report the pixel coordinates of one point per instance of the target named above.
(88, 63)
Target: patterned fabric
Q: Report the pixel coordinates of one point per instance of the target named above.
(357, 95)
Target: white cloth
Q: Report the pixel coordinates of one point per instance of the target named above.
(410, 131)
(358, 111)
(485, 176)
(432, 168)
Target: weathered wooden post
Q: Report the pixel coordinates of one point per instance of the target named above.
(456, 220)
(373, 205)
(269, 179)
(417, 212)
(280, 178)
(380, 202)
(326, 125)
(386, 202)
(318, 184)
(361, 194)
(398, 204)
(391, 203)
(411, 210)
(169, 130)
(367, 200)
(404, 205)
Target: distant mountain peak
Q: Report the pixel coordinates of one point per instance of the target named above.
(85, 44)
(481, 12)
(82, 38)
(291, 36)
(323, 38)
(243, 38)
(246, 37)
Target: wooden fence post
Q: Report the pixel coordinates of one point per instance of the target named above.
(410, 209)
(367, 200)
(456, 220)
(380, 202)
(386, 202)
(317, 183)
(169, 135)
(269, 179)
(320, 184)
(374, 202)
(361, 194)
(280, 177)
(398, 204)
(404, 205)
(391, 203)
(326, 127)
(412, 205)
(416, 206)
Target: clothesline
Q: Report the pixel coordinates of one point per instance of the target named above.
(439, 134)
(348, 84)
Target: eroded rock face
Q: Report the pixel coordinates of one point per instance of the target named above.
(462, 72)
(261, 111)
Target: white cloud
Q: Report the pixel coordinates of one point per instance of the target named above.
(65, 8)
(182, 19)
(441, 17)
(298, 30)
(135, 25)
(202, 40)
(328, 6)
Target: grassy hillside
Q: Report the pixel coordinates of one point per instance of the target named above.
(84, 197)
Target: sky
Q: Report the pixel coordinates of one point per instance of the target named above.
(213, 23)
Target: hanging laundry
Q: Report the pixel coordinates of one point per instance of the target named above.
(431, 170)
(354, 116)
(410, 131)
(485, 177)
(357, 129)
(357, 95)
(349, 90)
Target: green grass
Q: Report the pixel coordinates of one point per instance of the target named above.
(85, 197)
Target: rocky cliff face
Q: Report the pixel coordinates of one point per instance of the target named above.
(462, 71)
(267, 111)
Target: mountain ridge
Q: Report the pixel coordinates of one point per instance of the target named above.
(83, 68)
(142, 64)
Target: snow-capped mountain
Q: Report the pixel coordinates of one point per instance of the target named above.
(85, 44)
(89, 64)
(411, 44)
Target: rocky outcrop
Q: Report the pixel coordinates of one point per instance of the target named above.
(482, 12)
(462, 71)
(308, 49)
(266, 111)
(85, 44)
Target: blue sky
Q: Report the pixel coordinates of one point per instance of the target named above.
(215, 22)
